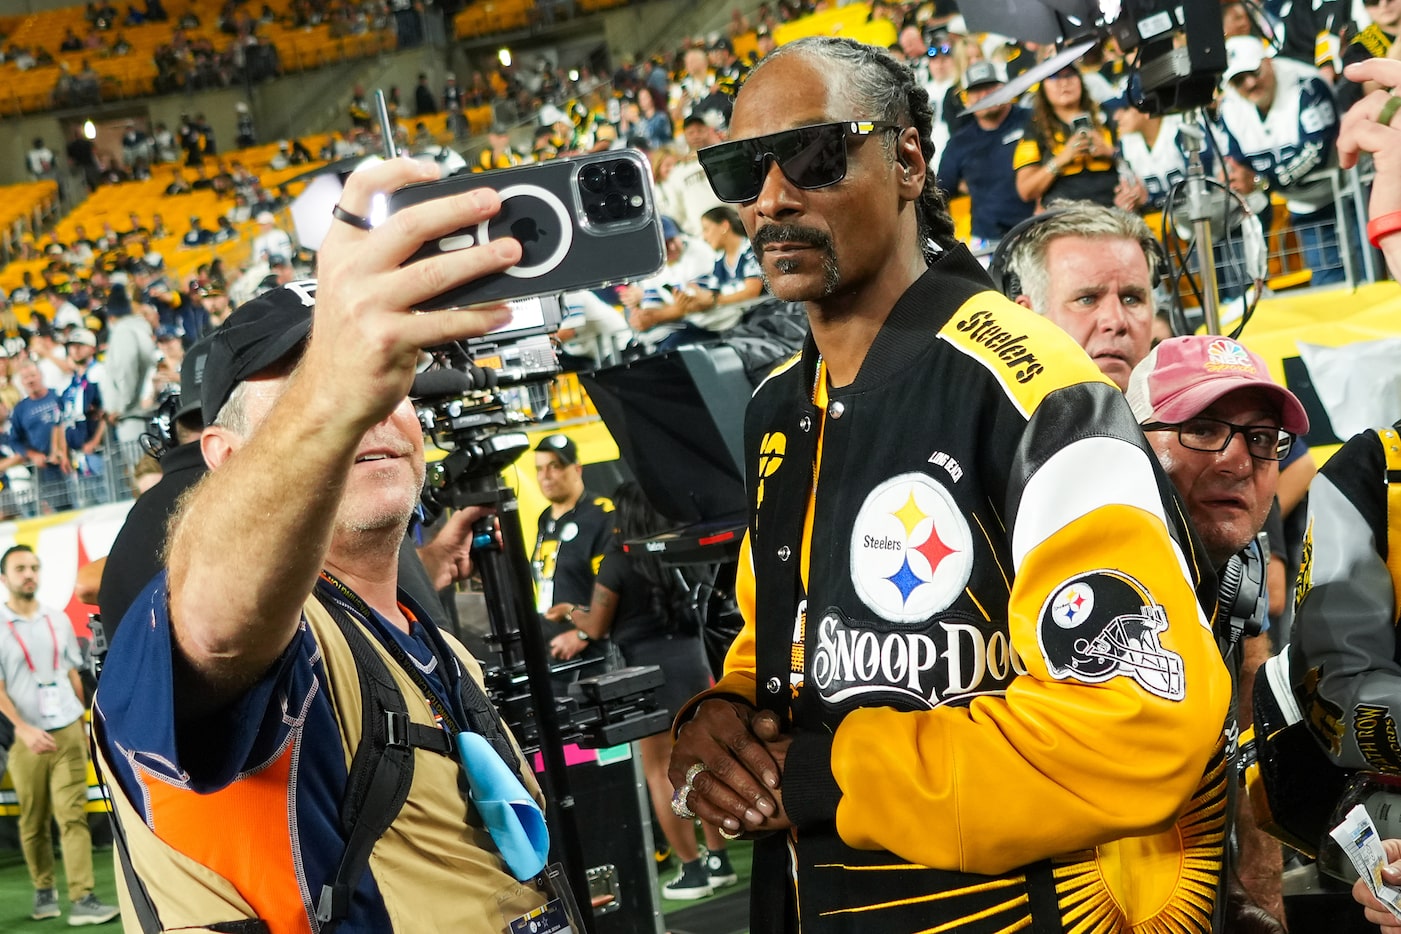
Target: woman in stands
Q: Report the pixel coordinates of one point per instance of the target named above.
(1068, 153)
(641, 606)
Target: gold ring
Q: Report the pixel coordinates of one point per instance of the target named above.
(730, 835)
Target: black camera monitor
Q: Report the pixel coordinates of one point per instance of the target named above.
(678, 419)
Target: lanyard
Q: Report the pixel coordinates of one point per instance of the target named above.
(23, 648)
(441, 713)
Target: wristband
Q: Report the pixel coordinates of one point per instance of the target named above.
(583, 636)
(1379, 228)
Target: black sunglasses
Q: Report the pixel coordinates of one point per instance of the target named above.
(810, 157)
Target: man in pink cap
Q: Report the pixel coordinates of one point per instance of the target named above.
(1220, 426)
(1194, 397)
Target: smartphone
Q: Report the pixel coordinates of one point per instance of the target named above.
(583, 222)
(1081, 123)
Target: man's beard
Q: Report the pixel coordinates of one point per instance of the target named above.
(793, 233)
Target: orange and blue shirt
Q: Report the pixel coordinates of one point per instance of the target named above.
(253, 793)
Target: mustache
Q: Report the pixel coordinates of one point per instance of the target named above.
(789, 233)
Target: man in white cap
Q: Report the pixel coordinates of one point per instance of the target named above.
(1282, 126)
(1220, 425)
(271, 240)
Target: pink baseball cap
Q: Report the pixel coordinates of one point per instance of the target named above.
(1183, 375)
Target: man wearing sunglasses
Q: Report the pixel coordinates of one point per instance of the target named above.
(943, 712)
(1220, 427)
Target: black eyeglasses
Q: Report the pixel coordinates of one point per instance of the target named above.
(1212, 436)
(810, 157)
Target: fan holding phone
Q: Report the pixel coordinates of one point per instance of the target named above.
(1067, 153)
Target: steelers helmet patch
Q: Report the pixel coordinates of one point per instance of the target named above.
(1103, 625)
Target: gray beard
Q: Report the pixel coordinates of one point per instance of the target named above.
(831, 275)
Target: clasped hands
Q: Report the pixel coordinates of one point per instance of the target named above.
(727, 766)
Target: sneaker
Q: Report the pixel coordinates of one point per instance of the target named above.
(720, 870)
(90, 910)
(693, 881)
(45, 905)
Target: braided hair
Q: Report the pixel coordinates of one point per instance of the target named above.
(887, 90)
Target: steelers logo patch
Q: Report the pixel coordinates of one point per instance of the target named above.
(911, 549)
(1073, 605)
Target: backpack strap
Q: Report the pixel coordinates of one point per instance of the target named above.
(1391, 448)
(381, 772)
(141, 902)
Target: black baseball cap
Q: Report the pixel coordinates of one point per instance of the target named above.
(562, 446)
(261, 333)
(192, 376)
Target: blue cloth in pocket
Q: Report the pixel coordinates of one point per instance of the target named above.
(511, 816)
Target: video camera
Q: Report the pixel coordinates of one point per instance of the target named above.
(475, 403)
(1176, 50)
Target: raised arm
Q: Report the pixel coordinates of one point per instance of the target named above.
(251, 541)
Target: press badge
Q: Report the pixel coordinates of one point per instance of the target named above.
(50, 701)
(559, 914)
(545, 596)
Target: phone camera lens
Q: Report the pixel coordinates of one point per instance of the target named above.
(625, 174)
(615, 206)
(593, 178)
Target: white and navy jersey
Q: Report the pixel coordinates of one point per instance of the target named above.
(1295, 138)
(1159, 166)
(1345, 663)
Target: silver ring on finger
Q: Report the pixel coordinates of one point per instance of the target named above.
(692, 772)
(679, 807)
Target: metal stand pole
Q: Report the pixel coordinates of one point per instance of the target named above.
(507, 581)
(1199, 212)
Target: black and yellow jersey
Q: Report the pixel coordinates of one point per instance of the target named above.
(967, 589)
(1345, 660)
(1091, 178)
(489, 159)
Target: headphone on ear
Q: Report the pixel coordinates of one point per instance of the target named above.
(1243, 602)
(159, 436)
(1010, 284)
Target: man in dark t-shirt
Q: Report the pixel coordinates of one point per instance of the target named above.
(978, 157)
(573, 534)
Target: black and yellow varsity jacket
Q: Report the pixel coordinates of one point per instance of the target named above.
(1345, 660)
(966, 590)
